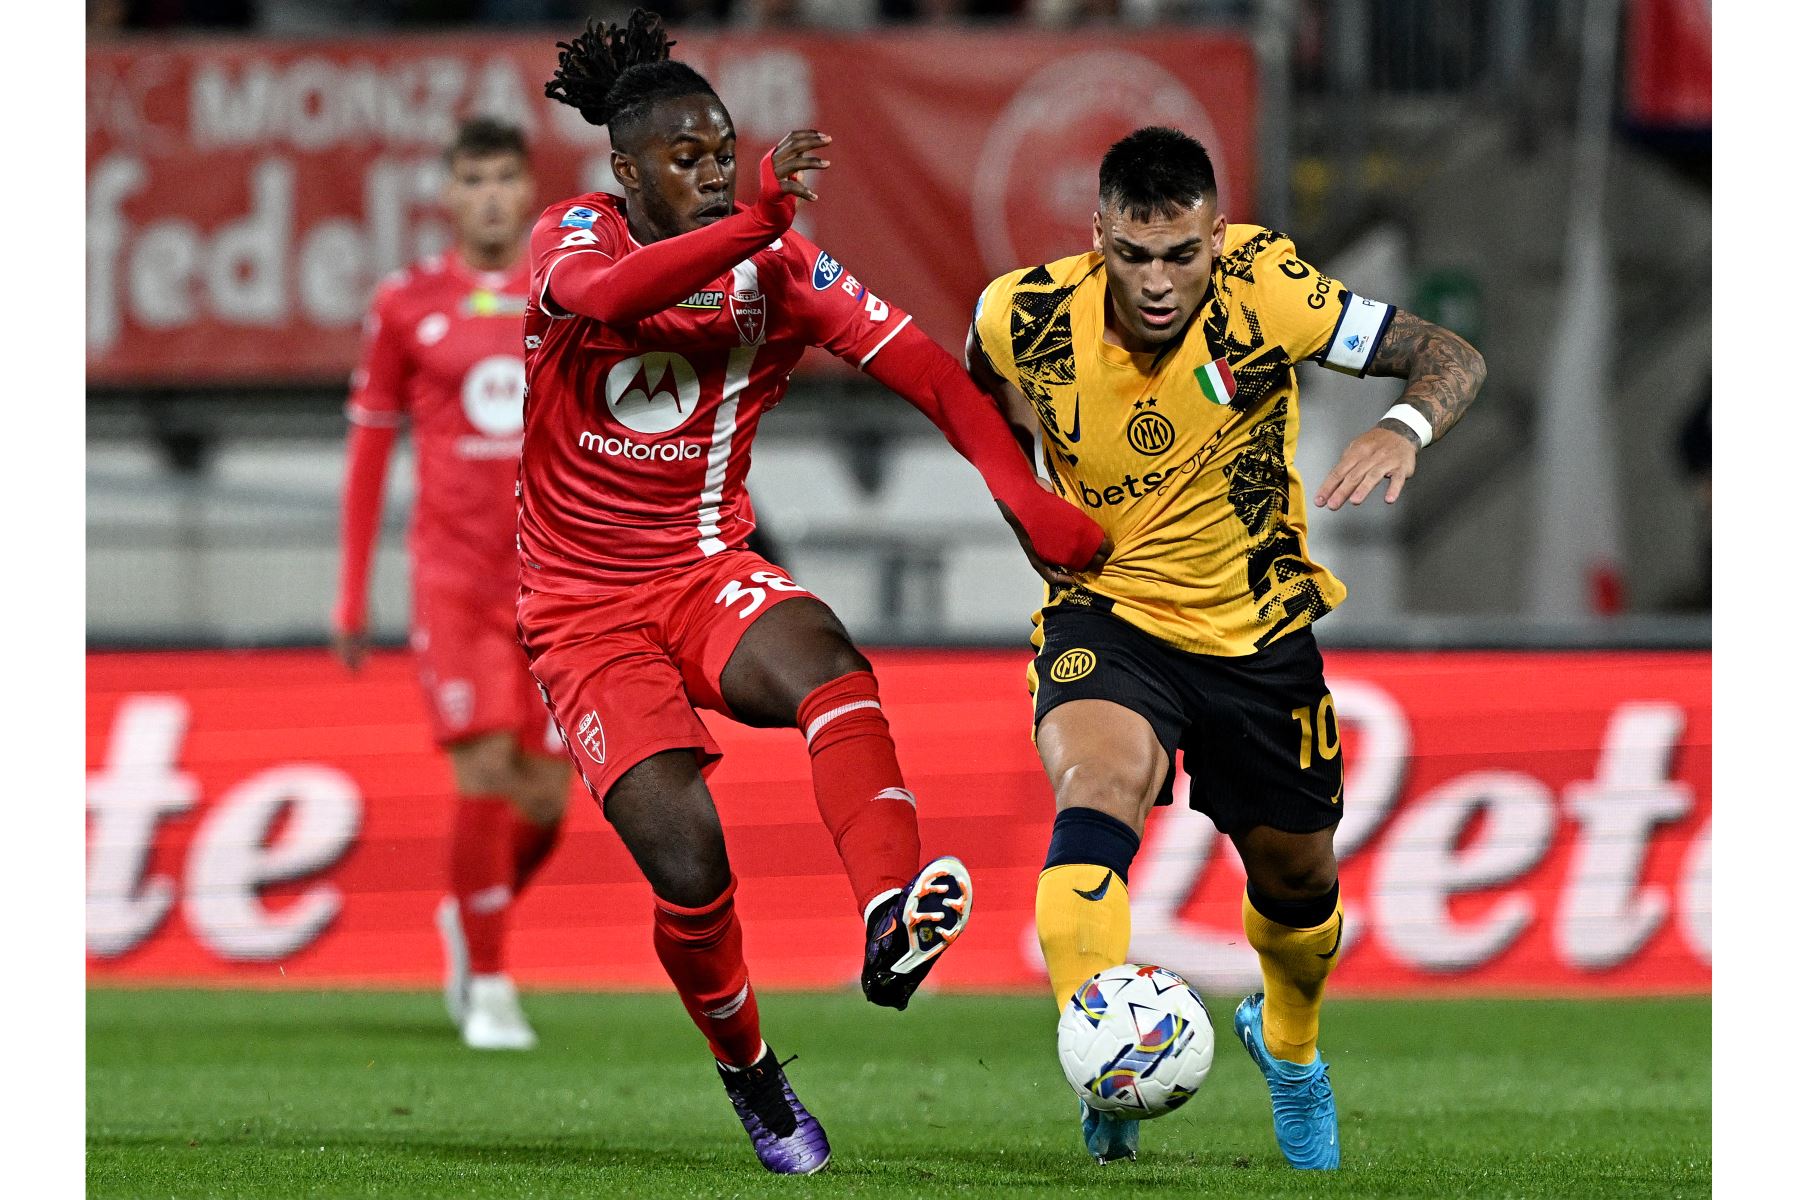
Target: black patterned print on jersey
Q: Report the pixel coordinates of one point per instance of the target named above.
(1043, 344)
(1279, 577)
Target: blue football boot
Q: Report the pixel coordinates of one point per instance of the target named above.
(1107, 1137)
(1306, 1126)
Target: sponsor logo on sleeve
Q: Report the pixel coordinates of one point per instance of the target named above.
(826, 270)
(709, 301)
(580, 218)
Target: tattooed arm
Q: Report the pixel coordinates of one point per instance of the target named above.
(1442, 372)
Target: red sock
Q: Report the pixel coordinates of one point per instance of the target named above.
(531, 845)
(702, 949)
(481, 873)
(856, 779)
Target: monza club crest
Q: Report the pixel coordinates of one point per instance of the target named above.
(750, 311)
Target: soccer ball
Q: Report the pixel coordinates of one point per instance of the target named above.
(1135, 1041)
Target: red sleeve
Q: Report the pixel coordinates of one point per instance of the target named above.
(919, 370)
(580, 275)
(836, 310)
(378, 385)
(377, 407)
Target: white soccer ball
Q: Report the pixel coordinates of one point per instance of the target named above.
(1135, 1041)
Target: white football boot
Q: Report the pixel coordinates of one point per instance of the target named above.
(494, 1020)
(456, 960)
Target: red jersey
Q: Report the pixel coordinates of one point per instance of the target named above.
(637, 435)
(442, 348)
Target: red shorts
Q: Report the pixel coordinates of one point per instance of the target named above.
(624, 668)
(474, 672)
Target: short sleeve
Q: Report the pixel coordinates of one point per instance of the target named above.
(992, 332)
(838, 311)
(565, 230)
(378, 385)
(1314, 316)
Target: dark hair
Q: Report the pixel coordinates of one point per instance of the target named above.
(479, 137)
(616, 75)
(1156, 172)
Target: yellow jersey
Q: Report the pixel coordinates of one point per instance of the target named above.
(1186, 456)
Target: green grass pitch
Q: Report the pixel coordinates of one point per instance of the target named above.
(241, 1094)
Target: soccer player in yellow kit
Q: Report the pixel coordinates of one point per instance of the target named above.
(1154, 378)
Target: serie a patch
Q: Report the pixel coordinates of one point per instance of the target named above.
(707, 301)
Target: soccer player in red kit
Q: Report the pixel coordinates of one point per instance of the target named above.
(660, 327)
(442, 350)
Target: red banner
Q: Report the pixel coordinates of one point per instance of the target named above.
(1513, 822)
(1668, 63)
(245, 196)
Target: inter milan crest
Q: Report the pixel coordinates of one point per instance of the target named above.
(1149, 432)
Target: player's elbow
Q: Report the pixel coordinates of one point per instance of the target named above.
(1477, 367)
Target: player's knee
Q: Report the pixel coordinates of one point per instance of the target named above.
(542, 791)
(834, 660)
(485, 767)
(842, 659)
(664, 815)
(541, 803)
(1104, 787)
(1297, 879)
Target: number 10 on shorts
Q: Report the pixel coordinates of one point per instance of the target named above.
(1319, 730)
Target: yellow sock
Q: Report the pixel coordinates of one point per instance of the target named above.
(1083, 923)
(1295, 963)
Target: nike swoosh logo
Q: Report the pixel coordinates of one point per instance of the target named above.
(1335, 942)
(1098, 893)
(1074, 435)
(891, 926)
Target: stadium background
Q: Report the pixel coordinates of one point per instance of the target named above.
(1522, 669)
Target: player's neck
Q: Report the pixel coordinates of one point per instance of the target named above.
(502, 257)
(641, 231)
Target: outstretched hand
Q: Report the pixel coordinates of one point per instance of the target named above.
(1376, 455)
(781, 166)
(349, 648)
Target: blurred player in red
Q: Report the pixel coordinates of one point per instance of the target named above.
(660, 327)
(442, 350)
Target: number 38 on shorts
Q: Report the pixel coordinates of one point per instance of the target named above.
(747, 598)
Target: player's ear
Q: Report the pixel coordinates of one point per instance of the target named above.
(1099, 239)
(625, 170)
(1218, 234)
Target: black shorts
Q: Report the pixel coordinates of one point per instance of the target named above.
(1258, 734)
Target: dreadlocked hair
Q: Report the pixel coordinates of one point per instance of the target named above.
(614, 74)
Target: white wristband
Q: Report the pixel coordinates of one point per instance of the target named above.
(1413, 419)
